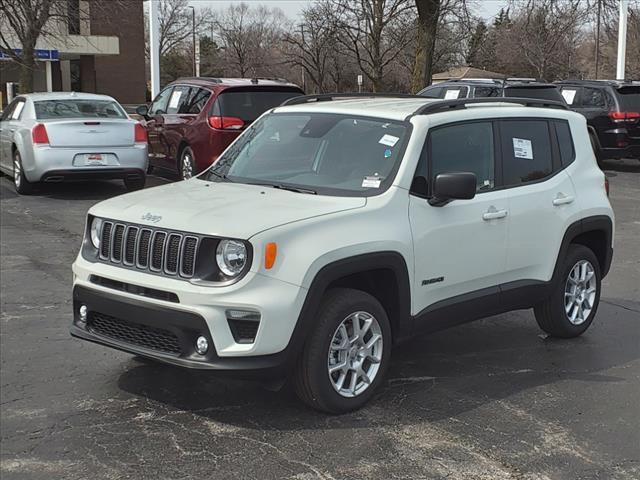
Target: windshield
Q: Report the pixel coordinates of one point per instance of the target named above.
(78, 109)
(316, 152)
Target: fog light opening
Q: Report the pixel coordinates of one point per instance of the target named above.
(202, 345)
(82, 313)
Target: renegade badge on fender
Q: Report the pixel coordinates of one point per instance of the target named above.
(337, 226)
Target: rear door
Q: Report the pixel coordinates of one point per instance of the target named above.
(541, 196)
(6, 135)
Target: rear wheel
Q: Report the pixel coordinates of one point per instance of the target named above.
(20, 182)
(187, 164)
(347, 354)
(572, 305)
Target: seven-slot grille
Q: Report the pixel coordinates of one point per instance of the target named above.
(169, 253)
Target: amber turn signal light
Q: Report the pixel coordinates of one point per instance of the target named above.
(270, 254)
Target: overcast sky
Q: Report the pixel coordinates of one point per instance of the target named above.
(292, 8)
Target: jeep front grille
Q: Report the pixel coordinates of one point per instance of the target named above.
(158, 251)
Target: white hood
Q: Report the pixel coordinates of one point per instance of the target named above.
(219, 209)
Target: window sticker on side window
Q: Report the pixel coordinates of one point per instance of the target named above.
(569, 96)
(388, 140)
(522, 148)
(451, 94)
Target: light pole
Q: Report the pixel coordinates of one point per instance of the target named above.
(154, 48)
(193, 34)
(598, 38)
(622, 40)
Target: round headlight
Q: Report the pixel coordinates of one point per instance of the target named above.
(96, 230)
(231, 257)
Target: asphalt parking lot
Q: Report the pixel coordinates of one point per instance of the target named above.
(489, 400)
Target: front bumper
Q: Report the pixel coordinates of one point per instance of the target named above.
(188, 310)
(156, 321)
(58, 164)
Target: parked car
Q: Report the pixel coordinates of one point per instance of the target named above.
(55, 137)
(193, 120)
(482, 88)
(612, 109)
(334, 229)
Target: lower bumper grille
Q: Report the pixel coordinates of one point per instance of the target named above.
(134, 333)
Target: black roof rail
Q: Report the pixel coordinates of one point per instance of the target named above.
(327, 97)
(461, 103)
(202, 79)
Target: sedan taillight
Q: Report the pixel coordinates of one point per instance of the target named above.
(39, 135)
(140, 134)
(226, 123)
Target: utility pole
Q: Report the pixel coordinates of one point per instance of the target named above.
(622, 40)
(193, 35)
(598, 39)
(154, 47)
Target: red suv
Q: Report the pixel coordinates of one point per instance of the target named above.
(192, 121)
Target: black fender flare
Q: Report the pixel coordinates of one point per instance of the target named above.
(584, 225)
(387, 260)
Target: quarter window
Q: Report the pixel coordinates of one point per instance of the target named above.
(464, 148)
(195, 101)
(565, 142)
(483, 92)
(526, 151)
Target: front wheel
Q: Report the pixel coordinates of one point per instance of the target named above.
(187, 164)
(346, 355)
(572, 305)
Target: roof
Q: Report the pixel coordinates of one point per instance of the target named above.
(235, 82)
(466, 72)
(613, 83)
(401, 107)
(65, 96)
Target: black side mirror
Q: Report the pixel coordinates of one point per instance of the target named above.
(453, 186)
(142, 110)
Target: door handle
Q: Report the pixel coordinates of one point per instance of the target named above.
(493, 214)
(562, 199)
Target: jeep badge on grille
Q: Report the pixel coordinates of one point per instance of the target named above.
(151, 217)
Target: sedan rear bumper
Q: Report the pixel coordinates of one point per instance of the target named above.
(58, 164)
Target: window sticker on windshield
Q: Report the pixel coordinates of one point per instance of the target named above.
(522, 148)
(388, 140)
(569, 96)
(175, 99)
(451, 94)
(387, 153)
(371, 182)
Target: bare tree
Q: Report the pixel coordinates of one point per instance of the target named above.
(368, 33)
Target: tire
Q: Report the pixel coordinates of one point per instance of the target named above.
(553, 315)
(20, 182)
(312, 381)
(133, 184)
(187, 166)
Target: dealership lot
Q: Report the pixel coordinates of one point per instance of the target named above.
(494, 399)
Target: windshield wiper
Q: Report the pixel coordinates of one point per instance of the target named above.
(221, 175)
(294, 189)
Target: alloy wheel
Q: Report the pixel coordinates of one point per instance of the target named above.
(580, 292)
(17, 171)
(355, 354)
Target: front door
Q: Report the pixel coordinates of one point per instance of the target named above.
(155, 128)
(459, 248)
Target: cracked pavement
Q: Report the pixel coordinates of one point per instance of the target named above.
(495, 399)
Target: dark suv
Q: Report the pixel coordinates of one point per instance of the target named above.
(481, 88)
(193, 120)
(612, 109)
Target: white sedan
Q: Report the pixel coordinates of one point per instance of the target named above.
(60, 136)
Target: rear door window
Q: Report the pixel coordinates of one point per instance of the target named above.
(593, 98)
(248, 105)
(452, 93)
(570, 95)
(526, 151)
(179, 97)
(17, 111)
(484, 92)
(432, 92)
(465, 147)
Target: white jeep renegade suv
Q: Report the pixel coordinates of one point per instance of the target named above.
(334, 228)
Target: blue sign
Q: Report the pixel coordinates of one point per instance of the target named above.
(38, 54)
